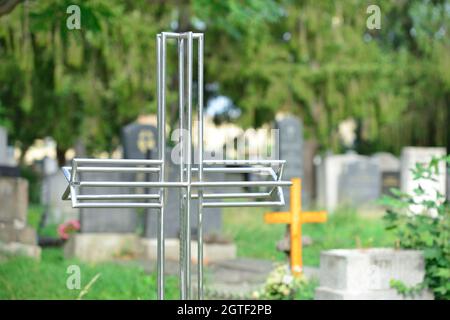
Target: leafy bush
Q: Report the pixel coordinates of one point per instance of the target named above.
(428, 231)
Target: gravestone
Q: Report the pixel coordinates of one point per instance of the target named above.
(309, 169)
(410, 157)
(359, 183)
(291, 149)
(389, 166)
(57, 210)
(105, 233)
(365, 274)
(109, 233)
(16, 237)
(448, 185)
(3, 147)
(329, 170)
(139, 141)
(106, 220)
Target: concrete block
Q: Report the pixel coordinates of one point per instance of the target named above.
(20, 249)
(12, 233)
(212, 252)
(13, 199)
(99, 247)
(366, 273)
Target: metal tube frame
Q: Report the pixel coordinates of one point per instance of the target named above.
(271, 170)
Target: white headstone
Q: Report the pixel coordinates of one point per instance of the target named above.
(448, 185)
(411, 156)
(365, 274)
(3, 147)
(11, 161)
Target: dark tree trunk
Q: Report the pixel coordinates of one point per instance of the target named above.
(61, 156)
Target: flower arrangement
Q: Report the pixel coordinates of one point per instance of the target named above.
(280, 285)
(67, 228)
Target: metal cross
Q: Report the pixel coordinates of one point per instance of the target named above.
(269, 190)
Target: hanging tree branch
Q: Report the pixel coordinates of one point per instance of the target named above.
(6, 6)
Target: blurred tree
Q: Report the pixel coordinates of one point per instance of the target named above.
(316, 59)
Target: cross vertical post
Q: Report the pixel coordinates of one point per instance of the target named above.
(296, 226)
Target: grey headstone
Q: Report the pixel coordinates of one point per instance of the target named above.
(14, 229)
(3, 146)
(103, 220)
(57, 210)
(389, 167)
(212, 217)
(13, 200)
(139, 141)
(291, 149)
(329, 171)
(386, 161)
(389, 180)
(359, 183)
(309, 169)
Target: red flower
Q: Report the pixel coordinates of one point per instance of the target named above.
(65, 229)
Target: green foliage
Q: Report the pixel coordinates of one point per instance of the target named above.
(316, 59)
(428, 231)
(406, 291)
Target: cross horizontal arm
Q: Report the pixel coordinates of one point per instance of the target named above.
(278, 217)
(313, 217)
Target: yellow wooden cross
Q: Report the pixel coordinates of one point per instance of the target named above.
(295, 218)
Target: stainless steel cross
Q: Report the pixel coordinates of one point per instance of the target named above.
(268, 189)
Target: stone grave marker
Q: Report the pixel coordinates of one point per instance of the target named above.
(105, 233)
(389, 166)
(448, 185)
(329, 170)
(16, 237)
(359, 183)
(101, 220)
(291, 149)
(57, 210)
(365, 274)
(411, 156)
(3, 147)
(139, 141)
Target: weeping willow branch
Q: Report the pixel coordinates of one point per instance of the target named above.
(6, 6)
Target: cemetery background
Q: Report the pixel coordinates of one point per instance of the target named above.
(359, 96)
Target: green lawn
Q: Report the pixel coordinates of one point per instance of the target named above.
(344, 229)
(22, 278)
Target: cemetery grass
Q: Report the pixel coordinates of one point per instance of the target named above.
(23, 278)
(345, 228)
